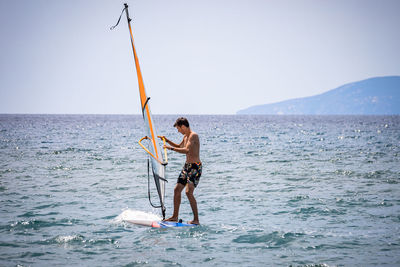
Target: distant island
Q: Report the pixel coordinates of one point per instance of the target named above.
(375, 96)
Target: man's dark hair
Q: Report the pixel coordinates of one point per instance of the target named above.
(181, 121)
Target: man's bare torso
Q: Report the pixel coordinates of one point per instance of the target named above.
(194, 147)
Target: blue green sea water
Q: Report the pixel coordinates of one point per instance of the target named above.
(275, 191)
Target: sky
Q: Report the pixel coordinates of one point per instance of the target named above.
(197, 57)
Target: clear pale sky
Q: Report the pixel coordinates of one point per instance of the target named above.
(197, 57)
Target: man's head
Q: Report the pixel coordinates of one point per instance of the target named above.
(182, 125)
(181, 121)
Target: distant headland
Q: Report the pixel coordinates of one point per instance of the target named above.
(374, 96)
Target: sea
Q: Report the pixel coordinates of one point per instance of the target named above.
(282, 190)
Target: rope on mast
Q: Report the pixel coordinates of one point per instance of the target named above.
(129, 19)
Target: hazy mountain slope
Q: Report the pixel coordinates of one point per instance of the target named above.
(379, 95)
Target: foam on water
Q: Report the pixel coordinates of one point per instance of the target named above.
(135, 215)
(68, 238)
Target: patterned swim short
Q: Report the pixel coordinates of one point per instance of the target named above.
(190, 173)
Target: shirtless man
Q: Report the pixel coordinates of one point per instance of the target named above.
(191, 172)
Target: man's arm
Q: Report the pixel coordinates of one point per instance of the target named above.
(172, 143)
(189, 145)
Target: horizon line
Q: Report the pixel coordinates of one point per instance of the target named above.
(181, 114)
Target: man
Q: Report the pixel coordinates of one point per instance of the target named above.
(191, 172)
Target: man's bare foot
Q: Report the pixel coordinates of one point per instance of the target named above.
(194, 222)
(171, 219)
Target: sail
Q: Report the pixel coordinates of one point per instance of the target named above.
(154, 148)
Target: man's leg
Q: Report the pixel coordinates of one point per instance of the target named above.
(193, 203)
(177, 202)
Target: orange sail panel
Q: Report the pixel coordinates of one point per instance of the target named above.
(143, 99)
